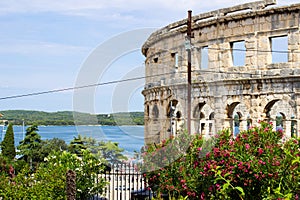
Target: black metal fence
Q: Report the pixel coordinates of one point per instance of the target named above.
(126, 182)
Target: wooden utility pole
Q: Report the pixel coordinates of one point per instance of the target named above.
(71, 185)
(189, 69)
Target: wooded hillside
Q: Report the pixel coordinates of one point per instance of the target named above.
(67, 118)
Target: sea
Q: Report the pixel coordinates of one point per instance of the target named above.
(130, 138)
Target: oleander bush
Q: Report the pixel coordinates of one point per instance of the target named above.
(258, 164)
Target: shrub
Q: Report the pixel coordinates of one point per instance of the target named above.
(257, 164)
(49, 179)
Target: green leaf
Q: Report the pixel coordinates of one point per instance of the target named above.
(296, 161)
(241, 190)
(225, 186)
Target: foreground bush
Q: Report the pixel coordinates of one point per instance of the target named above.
(49, 179)
(254, 165)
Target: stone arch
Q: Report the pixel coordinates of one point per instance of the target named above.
(281, 113)
(268, 107)
(230, 109)
(238, 116)
(154, 119)
(203, 119)
(174, 117)
(197, 110)
(172, 103)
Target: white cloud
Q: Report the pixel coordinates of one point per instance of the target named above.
(126, 13)
(77, 7)
(28, 47)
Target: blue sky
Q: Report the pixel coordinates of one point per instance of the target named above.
(45, 43)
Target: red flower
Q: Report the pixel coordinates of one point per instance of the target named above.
(247, 146)
(261, 162)
(202, 197)
(208, 155)
(260, 151)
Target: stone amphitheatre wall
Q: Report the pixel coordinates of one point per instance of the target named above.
(245, 64)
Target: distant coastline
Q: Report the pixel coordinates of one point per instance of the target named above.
(66, 118)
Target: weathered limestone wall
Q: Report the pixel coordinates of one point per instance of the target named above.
(259, 89)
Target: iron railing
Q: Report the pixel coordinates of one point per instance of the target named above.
(125, 182)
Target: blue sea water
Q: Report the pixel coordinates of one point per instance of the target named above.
(130, 138)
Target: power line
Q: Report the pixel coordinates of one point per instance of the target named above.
(125, 80)
(80, 87)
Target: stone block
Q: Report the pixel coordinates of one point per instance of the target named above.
(228, 32)
(248, 21)
(286, 72)
(248, 29)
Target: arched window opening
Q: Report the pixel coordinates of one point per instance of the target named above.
(197, 110)
(230, 109)
(231, 121)
(249, 122)
(178, 114)
(202, 116)
(155, 112)
(268, 109)
(171, 108)
(202, 123)
(236, 123)
(212, 116)
(147, 111)
(211, 123)
(293, 127)
(280, 121)
(174, 117)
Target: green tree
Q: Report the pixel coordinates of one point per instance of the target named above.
(31, 145)
(8, 143)
(51, 145)
(77, 146)
(111, 151)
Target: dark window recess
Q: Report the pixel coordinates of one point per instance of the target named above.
(175, 58)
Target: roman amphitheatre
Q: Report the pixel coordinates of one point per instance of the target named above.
(245, 63)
